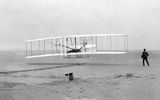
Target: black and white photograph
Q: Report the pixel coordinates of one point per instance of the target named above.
(79, 49)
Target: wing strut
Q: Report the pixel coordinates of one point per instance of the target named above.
(96, 42)
(51, 45)
(31, 48)
(39, 46)
(26, 49)
(110, 42)
(75, 42)
(44, 47)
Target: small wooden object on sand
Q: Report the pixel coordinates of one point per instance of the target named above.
(129, 75)
(69, 76)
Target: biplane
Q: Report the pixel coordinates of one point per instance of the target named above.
(77, 45)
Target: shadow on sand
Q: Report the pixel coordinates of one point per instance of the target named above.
(68, 64)
(59, 65)
(37, 69)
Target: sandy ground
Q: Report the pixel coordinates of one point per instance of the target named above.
(92, 81)
(100, 84)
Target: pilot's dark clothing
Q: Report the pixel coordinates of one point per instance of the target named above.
(145, 57)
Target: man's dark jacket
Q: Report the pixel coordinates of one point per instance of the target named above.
(144, 55)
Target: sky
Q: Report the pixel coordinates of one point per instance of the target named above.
(21, 20)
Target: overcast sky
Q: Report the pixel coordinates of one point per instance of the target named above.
(29, 19)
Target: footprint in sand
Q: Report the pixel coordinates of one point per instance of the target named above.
(128, 75)
(150, 76)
